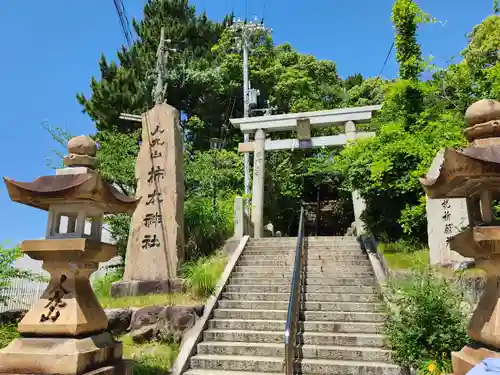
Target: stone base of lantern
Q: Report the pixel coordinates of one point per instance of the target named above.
(145, 287)
(464, 360)
(96, 355)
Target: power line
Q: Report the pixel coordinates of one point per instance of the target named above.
(386, 59)
(124, 21)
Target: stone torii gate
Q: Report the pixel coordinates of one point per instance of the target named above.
(302, 123)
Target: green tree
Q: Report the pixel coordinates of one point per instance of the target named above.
(9, 271)
(412, 126)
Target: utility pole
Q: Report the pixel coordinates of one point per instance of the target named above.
(245, 30)
(160, 90)
(161, 71)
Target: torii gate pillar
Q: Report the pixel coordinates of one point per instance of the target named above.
(358, 202)
(259, 163)
(302, 124)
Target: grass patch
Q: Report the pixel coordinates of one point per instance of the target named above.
(177, 299)
(201, 276)
(154, 358)
(400, 256)
(102, 285)
(7, 334)
(102, 289)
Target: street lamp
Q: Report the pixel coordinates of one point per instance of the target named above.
(215, 145)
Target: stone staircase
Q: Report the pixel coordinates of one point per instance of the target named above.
(341, 319)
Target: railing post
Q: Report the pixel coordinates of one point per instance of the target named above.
(239, 220)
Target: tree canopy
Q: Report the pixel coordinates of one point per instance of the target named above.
(205, 85)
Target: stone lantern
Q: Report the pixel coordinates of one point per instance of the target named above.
(65, 331)
(474, 174)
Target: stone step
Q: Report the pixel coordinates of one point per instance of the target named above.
(309, 254)
(293, 241)
(307, 326)
(312, 259)
(232, 288)
(331, 316)
(256, 296)
(258, 262)
(327, 273)
(308, 351)
(259, 281)
(310, 249)
(326, 268)
(308, 306)
(220, 372)
(305, 366)
(317, 280)
(329, 281)
(306, 338)
(309, 238)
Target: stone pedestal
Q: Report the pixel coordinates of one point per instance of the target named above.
(483, 327)
(464, 360)
(156, 242)
(63, 333)
(98, 354)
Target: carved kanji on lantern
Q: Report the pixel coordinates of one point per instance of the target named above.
(474, 173)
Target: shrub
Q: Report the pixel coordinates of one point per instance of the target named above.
(436, 367)
(206, 228)
(427, 321)
(201, 276)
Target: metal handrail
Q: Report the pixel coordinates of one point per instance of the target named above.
(292, 318)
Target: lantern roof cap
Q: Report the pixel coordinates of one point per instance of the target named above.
(70, 188)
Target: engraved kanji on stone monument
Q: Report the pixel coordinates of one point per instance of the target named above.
(156, 240)
(445, 217)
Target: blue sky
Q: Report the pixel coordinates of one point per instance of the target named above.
(50, 50)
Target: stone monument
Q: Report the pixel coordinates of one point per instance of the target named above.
(65, 331)
(474, 174)
(445, 218)
(156, 241)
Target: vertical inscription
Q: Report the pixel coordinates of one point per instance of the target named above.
(154, 197)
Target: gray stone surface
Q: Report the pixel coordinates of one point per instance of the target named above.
(156, 242)
(145, 287)
(342, 319)
(118, 320)
(445, 218)
(144, 334)
(145, 316)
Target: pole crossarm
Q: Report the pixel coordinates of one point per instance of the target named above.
(292, 144)
(318, 119)
(129, 117)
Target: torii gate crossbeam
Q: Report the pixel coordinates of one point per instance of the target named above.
(302, 123)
